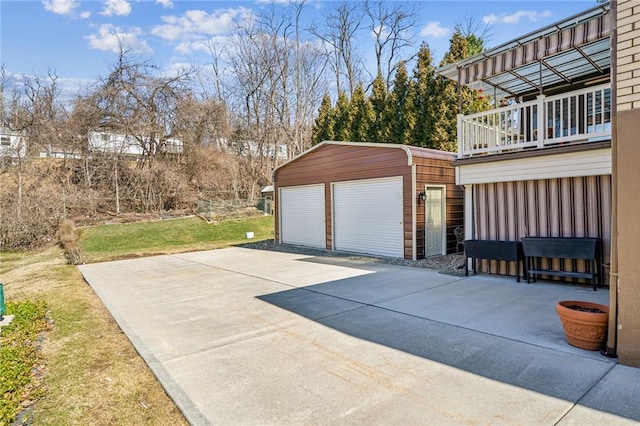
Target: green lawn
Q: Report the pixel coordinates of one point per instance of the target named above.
(109, 242)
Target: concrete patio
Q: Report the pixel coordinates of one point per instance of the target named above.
(241, 336)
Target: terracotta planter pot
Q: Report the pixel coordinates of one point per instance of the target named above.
(585, 330)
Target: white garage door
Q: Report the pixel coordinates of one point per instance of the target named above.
(367, 217)
(302, 216)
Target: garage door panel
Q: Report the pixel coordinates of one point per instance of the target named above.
(302, 215)
(368, 216)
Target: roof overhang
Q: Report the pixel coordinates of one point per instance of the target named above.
(570, 50)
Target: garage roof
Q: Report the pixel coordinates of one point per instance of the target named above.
(412, 151)
(566, 51)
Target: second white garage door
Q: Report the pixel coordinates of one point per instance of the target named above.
(367, 217)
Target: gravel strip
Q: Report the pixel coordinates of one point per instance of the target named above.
(451, 263)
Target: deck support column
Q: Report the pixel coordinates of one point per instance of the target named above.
(540, 124)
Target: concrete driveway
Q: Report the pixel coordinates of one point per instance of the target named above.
(241, 336)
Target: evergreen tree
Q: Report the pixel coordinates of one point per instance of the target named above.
(421, 111)
(450, 101)
(379, 130)
(323, 127)
(362, 115)
(458, 48)
(402, 111)
(424, 93)
(343, 118)
(475, 44)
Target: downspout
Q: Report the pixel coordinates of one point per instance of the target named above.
(612, 336)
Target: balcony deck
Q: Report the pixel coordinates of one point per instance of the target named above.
(572, 117)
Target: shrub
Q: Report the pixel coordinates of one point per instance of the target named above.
(73, 253)
(66, 228)
(68, 240)
(20, 359)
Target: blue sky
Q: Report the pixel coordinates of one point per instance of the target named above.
(78, 39)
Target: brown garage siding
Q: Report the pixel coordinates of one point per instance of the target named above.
(438, 171)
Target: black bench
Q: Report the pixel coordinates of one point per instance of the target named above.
(510, 251)
(587, 249)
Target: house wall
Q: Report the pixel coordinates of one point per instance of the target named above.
(628, 55)
(561, 207)
(627, 143)
(332, 163)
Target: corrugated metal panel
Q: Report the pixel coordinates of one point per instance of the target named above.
(584, 163)
(367, 217)
(570, 48)
(302, 215)
(566, 207)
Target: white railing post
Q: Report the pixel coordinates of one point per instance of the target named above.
(460, 133)
(540, 125)
(499, 126)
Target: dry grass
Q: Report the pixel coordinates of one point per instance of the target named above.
(93, 373)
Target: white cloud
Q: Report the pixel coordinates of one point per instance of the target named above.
(111, 38)
(195, 26)
(187, 47)
(85, 15)
(116, 7)
(167, 4)
(274, 1)
(515, 18)
(219, 43)
(434, 29)
(60, 7)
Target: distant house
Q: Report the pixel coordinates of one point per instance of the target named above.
(53, 151)
(12, 144)
(251, 148)
(107, 142)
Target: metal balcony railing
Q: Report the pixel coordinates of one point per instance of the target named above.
(583, 115)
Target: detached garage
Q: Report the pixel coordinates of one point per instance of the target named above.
(380, 199)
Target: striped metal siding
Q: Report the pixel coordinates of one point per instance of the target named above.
(563, 207)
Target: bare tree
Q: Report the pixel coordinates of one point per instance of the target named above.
(32, 117)
(477, 33)
(310, 66)
(135, 100)
(259, 61)
(393, 26)
(277, 87)
(339, 34)
(134, 111)
(217, 52)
